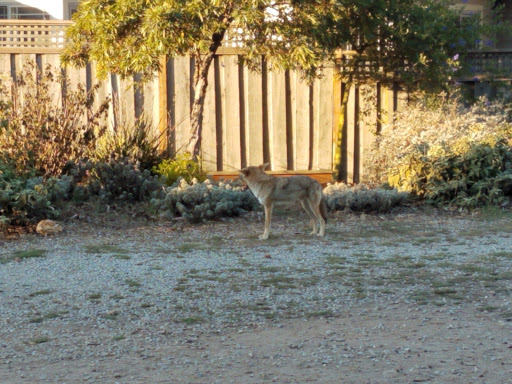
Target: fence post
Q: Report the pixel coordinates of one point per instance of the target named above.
(163, 122)
(337, 121)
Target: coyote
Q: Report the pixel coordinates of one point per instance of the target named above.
(270, 189)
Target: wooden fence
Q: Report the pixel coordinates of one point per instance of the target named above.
(249, 119)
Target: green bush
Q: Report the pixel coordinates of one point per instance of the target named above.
(40, 129)
(26, 200)
(447, 155)
(198, 202)
(361, 198)
(427, 129)
(480, 176)
(182, 166)
(121, 181)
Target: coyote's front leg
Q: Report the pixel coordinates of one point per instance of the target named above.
(268, 221)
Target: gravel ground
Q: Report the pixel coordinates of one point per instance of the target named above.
(413, 296)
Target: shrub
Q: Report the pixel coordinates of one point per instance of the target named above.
(447, 155)
(123, 181)
(39, 133)
(424, 129)
(201, 201)
(25, 200)
(360, 198)
(480, 176)
(137, 142)
(182, 166)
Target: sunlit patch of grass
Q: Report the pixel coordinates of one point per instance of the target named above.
(48, 316)
(191, 320)
(475, 269)
(445, 291)
(121, 256)
(324, 313)
(280, 281)
(39, 340)
(502, 254)
(41, 292)
(94, 296)
(422, 297)
(31, 253)
(189, 247)
(103, 249)
(336, 262)
(489, 308)
(507, 315)
(437, 257)
(132, 283)
(23, 255)
(111, 315)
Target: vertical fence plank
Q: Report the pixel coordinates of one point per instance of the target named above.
(253, 104)
(402, 99)
(277, 119)
(110, 91)
(385, 112)
(18, 64)
(326, 110)
(51, 59)
(76, 76)
(104, 92)
(171, 142)
(351, 120)
(5, 65)
(181, 101)
(209, 139)
(324, 98)
(151, 104)
(53, 62)
(368, 124)
(116, 109)
(22, 59)
(300, 121)
(5, 72)
(230, 99)
(126, 98)
(163, 123)
(337, 88)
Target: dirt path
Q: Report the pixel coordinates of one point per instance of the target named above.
(396, 343)
(352, 308)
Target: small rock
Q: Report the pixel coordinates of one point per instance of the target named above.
(48, 227)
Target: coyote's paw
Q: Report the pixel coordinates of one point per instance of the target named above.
(263, 237)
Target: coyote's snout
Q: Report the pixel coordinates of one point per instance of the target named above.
(269, 189)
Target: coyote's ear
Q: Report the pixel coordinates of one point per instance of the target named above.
(244, 171)
(264, 166)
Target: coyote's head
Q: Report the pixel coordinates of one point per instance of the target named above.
(252, 171)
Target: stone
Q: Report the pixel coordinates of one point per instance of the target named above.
(48, 227)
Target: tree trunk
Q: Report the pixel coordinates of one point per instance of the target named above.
(202, 67)
(339, 134)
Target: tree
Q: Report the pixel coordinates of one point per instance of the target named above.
(131, 36)
(418, 44)
(415, 42)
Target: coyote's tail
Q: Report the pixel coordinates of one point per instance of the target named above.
(323, 209)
